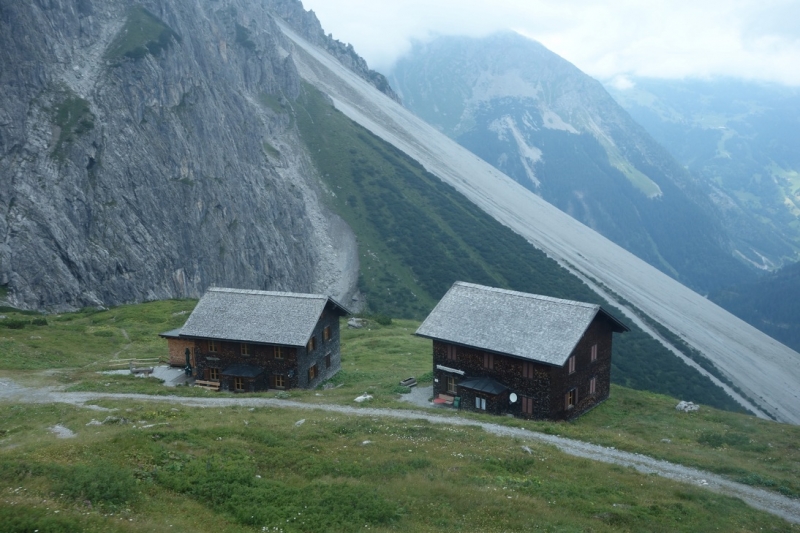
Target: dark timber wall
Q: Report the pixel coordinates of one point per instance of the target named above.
(293, 367)
(540, 387)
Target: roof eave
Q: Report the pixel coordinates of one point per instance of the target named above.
(206, 337)
(489, 350)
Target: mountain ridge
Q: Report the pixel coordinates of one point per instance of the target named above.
(728, 342)
(556, 131)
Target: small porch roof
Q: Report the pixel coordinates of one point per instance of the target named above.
(485, 385)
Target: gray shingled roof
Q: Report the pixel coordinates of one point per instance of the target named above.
(525, 325)
(283, 318)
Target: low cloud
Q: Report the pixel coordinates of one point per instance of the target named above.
(619, 39)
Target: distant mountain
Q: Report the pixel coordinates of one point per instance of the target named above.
(771, 304)
(743, 140)
(556, 131)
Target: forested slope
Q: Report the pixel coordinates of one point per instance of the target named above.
(417, 235)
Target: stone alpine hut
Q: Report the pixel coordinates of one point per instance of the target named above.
(532, 356)
(248, 341)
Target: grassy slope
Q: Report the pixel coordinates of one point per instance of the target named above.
(197, 468)
(418, 235)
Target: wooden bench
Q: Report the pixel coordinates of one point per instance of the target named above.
(209, 385)
(445, 399)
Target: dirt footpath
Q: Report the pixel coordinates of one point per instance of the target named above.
(786, 508)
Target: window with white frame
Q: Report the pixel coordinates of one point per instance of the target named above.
(480, 403)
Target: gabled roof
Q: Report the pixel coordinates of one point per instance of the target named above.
(283, 318)
(524, 325)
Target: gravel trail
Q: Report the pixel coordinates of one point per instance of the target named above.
(786, 508)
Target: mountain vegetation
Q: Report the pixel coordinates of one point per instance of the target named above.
(159, 465)
(741, 138)
(417, 236)
(770, 304)
(556, 131)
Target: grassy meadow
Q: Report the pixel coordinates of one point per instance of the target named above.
(166, 467)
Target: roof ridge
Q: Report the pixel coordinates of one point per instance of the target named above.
(527, 295)
(268, 293)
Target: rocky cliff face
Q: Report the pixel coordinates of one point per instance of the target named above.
(307, 25)
(149, 151)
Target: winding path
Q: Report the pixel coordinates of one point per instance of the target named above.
(786, 508)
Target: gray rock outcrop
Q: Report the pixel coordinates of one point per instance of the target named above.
(148, 151)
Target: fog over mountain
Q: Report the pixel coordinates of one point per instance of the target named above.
(557, 132)
(741, 139)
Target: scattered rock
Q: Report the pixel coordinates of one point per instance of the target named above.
(364, 397)
(687, 407)
(366, 442)
(666, 440)
(356, 323)
(62, 432)
(527, 450)
(300, 422)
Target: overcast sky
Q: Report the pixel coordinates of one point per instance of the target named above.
(610, 40)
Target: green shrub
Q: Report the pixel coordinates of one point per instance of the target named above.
(13, 323)
(23, 519)
(41, 321)
(383, 320)
(99, 483)
(427, 377)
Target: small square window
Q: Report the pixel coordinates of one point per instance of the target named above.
(488, 361)
(238, 384)
(244, 348)
(571, 398)
(480, 403)
(213, 374)
(212, 346)
(280, 382)
(278, 352)
(451, 352)
(527, 405)
(527, 370)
